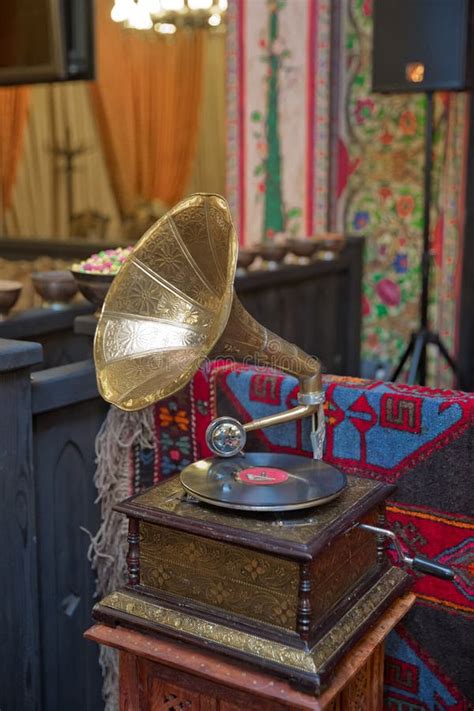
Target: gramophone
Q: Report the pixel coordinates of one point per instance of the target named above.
(276, 560)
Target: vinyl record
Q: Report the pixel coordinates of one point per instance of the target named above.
(263, 481)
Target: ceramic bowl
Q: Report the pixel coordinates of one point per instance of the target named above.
(273, 253)
(245, 259)
(93, 286)
(9, 293)
(56, 288)
(302, 247)
(329, 245)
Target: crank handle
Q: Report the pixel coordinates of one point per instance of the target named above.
(418, 562)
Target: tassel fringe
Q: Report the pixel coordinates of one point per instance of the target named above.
(120, 431)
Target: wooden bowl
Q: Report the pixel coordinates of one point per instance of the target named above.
(9, 293)
(302, 247)
(93, 286)
(245, 258)
(329, 245)
(56, 288)
(273, 253)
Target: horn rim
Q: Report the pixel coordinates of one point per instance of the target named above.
(106, 371)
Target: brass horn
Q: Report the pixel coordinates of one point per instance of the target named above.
(173, 305)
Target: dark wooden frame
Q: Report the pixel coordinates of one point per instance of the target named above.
(32, 248)
(55, 67)
(53, 330)
(48, 423)
(465, 351)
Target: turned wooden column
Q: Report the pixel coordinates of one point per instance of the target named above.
(303, 623)
(133, 555)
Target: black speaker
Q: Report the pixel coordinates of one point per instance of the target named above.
(422, 45)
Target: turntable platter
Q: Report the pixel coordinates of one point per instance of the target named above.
(263, 481)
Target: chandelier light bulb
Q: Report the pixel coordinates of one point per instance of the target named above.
(172, 5)
(153, 7)
(121, 10)
(214, 20)
(165, 28)
(139, 18)
(199, 4)
(165, 16)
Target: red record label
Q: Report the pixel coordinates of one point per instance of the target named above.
(262, 476)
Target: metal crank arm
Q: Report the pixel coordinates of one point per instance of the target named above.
(418, 562)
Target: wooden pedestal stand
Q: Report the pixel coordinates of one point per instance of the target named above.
(157, 674)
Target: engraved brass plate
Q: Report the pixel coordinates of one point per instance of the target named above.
(340, 566)
(252, 584)
(168, 497)
(235, 641)
(168, 305)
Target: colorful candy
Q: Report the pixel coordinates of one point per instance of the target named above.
(107, 261)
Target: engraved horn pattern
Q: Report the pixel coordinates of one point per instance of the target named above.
(173, 304)
(245, 338)
(313, 660)
(256, 585)
(168, 305)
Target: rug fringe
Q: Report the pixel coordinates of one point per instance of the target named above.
(120, 432)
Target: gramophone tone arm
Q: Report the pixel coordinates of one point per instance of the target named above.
(226, 436)
(244, 339)
(279, 418)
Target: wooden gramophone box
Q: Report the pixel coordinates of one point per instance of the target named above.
(288, 593)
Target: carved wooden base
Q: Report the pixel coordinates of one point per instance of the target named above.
(163, 675)
(308, 667)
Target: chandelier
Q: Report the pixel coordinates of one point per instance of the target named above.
(166, 16)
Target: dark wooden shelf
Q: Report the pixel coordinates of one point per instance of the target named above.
(31, 323)
(29, 248)
(316, 305)
(53, 330)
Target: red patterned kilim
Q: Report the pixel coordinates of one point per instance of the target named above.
(418, 438)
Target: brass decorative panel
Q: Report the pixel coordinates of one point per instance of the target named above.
(248, 583)
(340, 566)
(276, 653)
(169, 497)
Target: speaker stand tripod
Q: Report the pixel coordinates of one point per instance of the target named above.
(419, 341)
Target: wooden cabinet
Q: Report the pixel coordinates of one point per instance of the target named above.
(49, 420)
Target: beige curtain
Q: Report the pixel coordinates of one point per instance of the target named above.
(39, 203)
(208, 172)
